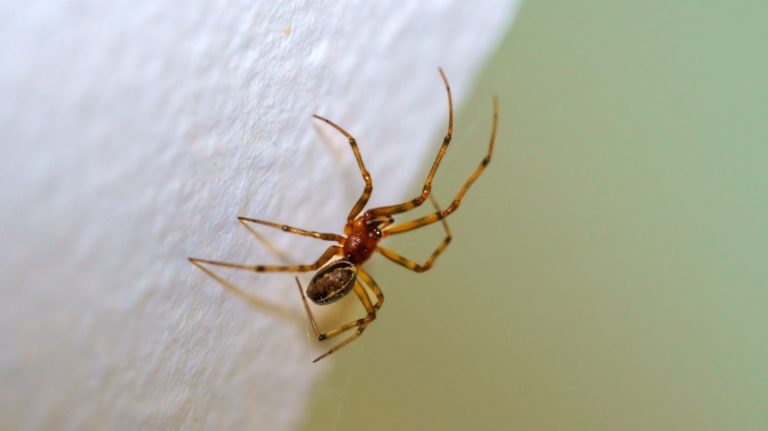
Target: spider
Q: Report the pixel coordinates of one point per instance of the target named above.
(362, 233)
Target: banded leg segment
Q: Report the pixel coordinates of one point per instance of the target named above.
(294, 230)
(368, 280)
(415, 202)
(325, 257)
(439, 215)
(360, 324)
(351, 338)
(363, 199)
(413, 266)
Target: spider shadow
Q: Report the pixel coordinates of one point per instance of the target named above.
(269, 307)
(285, 258)
(342, 157)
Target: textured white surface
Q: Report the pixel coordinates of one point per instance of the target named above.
(134, 132)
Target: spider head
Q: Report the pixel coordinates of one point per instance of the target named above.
(332, 282)
(375, 225)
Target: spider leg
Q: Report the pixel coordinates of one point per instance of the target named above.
(270, 245)
(360, 324)
(350, 339)
(439, 215)
(363, 199)
(413, 266)
(415, 202)
(368, 280)
(290, 229)
(325, 257)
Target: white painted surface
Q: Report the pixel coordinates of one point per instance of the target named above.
(134, 132)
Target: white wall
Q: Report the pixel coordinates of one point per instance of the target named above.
(134, 132)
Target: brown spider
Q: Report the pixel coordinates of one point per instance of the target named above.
(362, 234)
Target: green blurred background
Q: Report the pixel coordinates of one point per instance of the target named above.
(610, 269)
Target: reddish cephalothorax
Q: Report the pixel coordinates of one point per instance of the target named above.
(362, 233)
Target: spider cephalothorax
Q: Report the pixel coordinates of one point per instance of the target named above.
(362, 234)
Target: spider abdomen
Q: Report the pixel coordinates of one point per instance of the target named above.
(332, 282)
